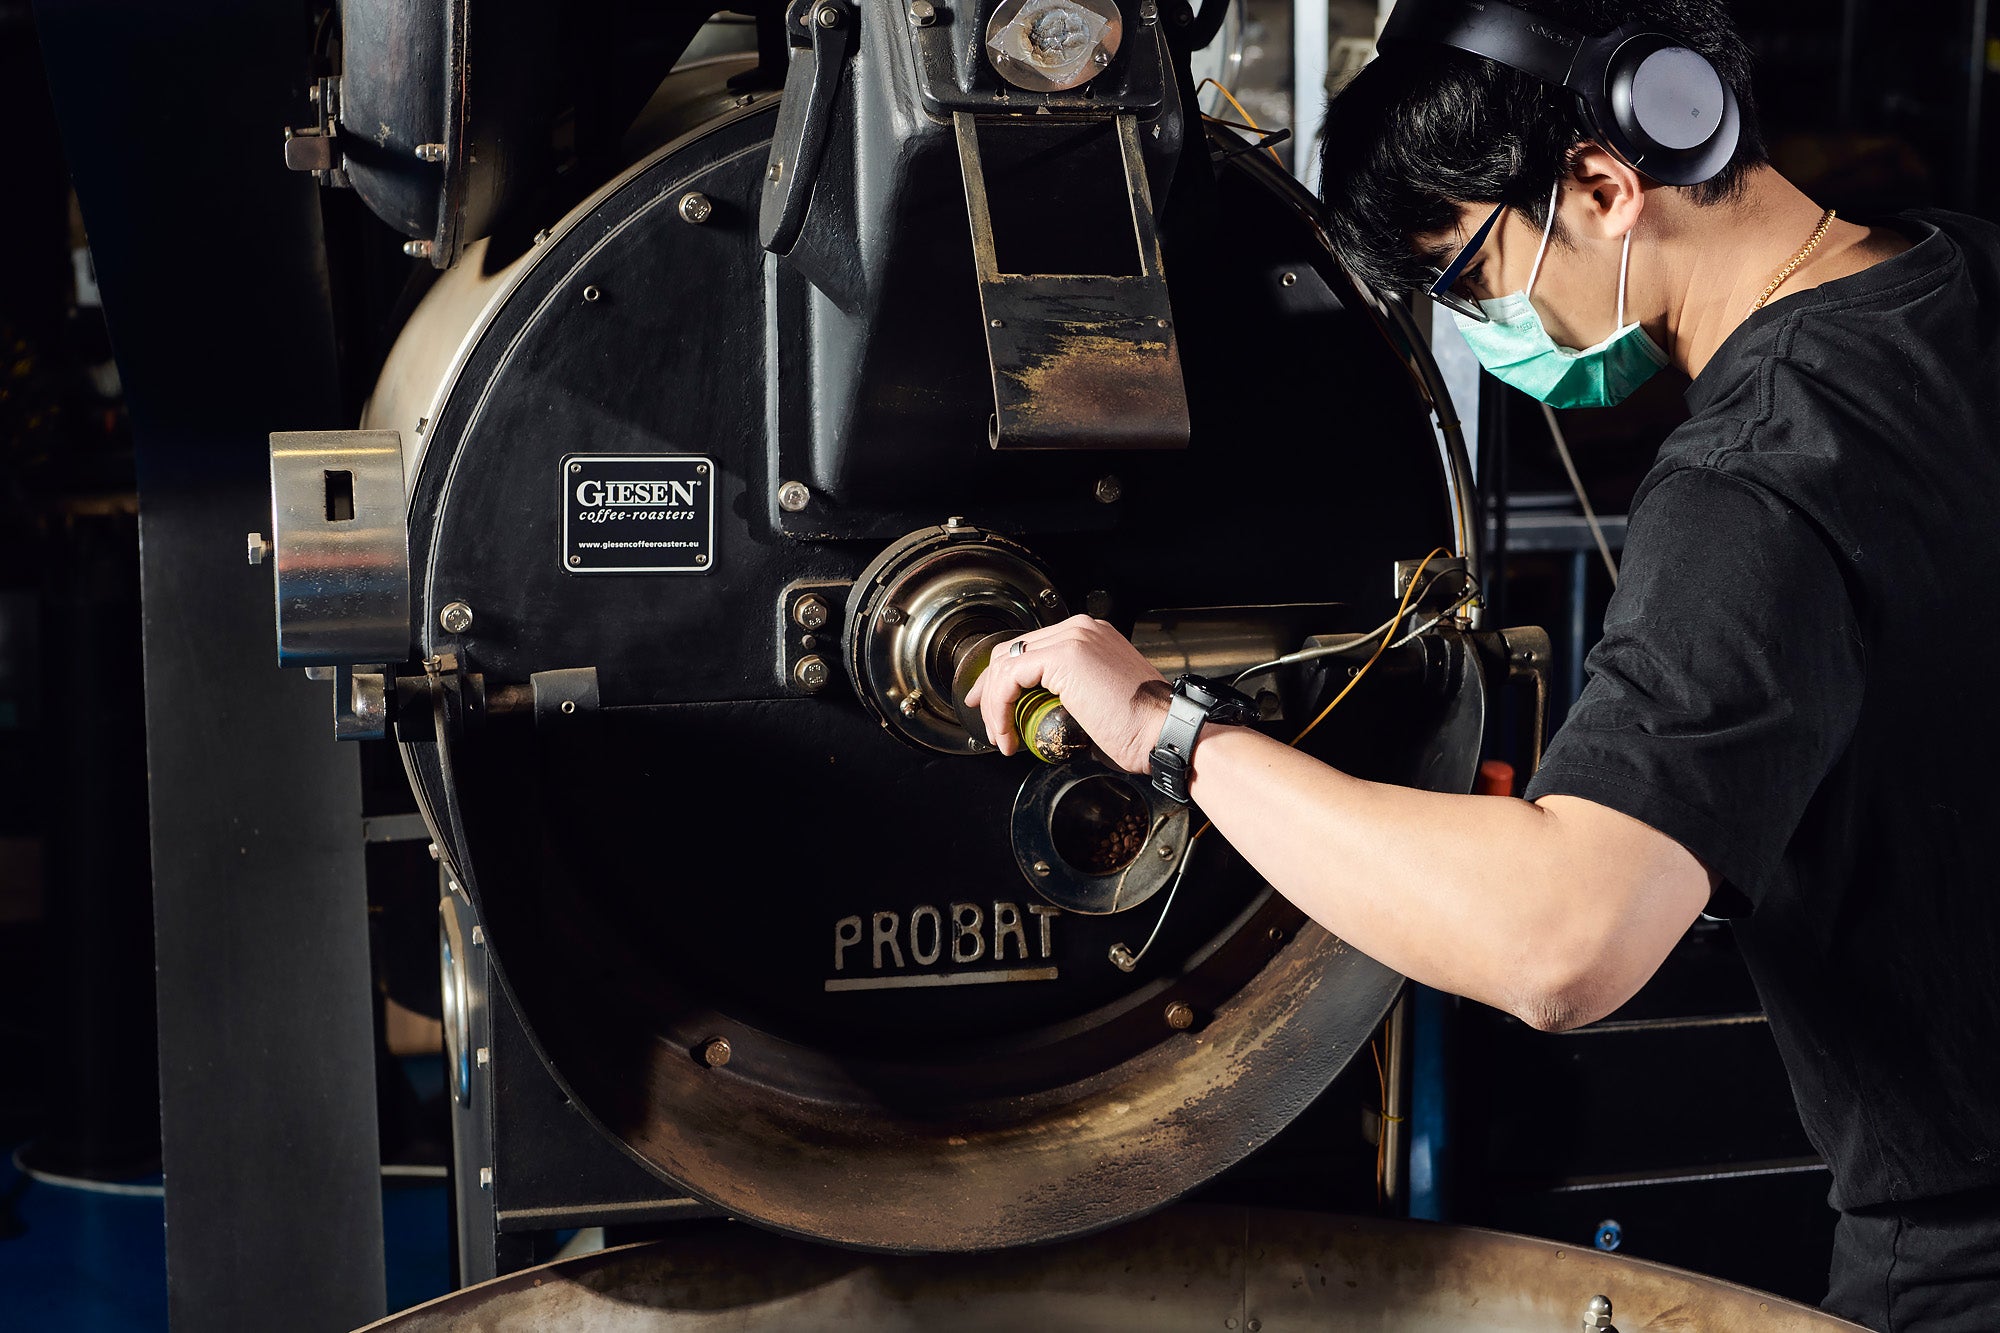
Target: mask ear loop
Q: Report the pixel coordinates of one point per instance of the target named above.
(1624, 266)
(1547, 231)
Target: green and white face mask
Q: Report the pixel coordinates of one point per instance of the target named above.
(1517, 350)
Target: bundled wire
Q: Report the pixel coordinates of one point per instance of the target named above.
(1248, 119)
(1124, 959)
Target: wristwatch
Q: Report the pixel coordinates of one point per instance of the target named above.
(1196, 703)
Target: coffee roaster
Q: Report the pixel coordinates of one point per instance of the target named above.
(681, 519)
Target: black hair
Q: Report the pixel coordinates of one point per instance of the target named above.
(1423, 129)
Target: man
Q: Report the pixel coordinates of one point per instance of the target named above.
(1788, 720)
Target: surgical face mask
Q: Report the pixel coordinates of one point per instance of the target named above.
(1517, 350)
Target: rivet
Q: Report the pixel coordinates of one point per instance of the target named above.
(1042, 868)
(591, 293)
(1290, 279)
(576, 560)
(568, 705)
(430, 152)
(997, 324)
(715, 1052)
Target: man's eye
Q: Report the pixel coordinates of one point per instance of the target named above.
(1471, 276)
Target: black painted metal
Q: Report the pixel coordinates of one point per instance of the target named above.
(220, 318)
(673, 869)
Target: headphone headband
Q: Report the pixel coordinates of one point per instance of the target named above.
(1646, 94)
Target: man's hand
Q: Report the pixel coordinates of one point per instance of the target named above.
(1114, 694)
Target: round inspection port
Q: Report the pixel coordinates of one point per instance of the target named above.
(1098, 825)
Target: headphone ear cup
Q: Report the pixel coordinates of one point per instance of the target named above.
(1662, 106)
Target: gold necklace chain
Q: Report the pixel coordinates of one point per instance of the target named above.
(1819, 234)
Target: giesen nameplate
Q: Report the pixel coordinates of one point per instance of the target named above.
(638, 514)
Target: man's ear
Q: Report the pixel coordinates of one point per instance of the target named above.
(1615, 192)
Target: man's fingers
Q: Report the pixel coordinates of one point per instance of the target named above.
(1006, 680)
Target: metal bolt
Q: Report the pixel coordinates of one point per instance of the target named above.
(1101, 59)
(995, 323)
(542, 236)
(1047, 597)
(701, 560)
(1229, 1322)
(775, 172)
(260, 547)
(417, 249)
(1148, 12)
(486, 1177)
(1166, 852)
(1255, 1326)
(1042, 868)
(923, 13)
(743, 99)
(810, 612)
(1290, 279)
(482, 1057)
(808, 641)
(430, 152)
(1109, 489)
(793, 496)
(911, 703)
(591, 293)
(479, 937)
(715, 1052)
(456, 617)
(432, 848)
(696, 207)
(811, 673)
(1597, 1314)
(1180, 1015)
(892, 615)
(954, 523)
(1161, 322)
(827, 16)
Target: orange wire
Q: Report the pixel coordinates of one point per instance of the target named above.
(1248, 119)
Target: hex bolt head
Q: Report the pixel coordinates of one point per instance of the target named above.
(696, 207)
(811, 673)
(1109, 490)
(810, 612)
(793, 496)
(455, 617)
(892, 615)
(259, 548)
(1597, 1314)
(923, 13)
(715, 1052)
(1180, 1015)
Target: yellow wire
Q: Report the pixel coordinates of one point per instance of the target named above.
(1402, 609)
(1248, 119)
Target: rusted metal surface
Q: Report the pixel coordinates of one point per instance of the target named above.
(1190, 1269)
(1079, 360)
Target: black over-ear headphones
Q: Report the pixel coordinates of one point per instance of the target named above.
(1656, 103)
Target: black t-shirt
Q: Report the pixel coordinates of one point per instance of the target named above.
(1799, 682)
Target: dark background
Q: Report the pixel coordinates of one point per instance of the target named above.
(1672, 1120)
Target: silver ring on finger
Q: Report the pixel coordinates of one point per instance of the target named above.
(1016, 648)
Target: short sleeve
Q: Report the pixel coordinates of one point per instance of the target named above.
(1727, 683)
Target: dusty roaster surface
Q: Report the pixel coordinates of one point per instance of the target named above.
(715, 498)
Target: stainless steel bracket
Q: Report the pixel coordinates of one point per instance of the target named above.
(340, 548)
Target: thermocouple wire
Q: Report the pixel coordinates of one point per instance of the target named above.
(1125, 960)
